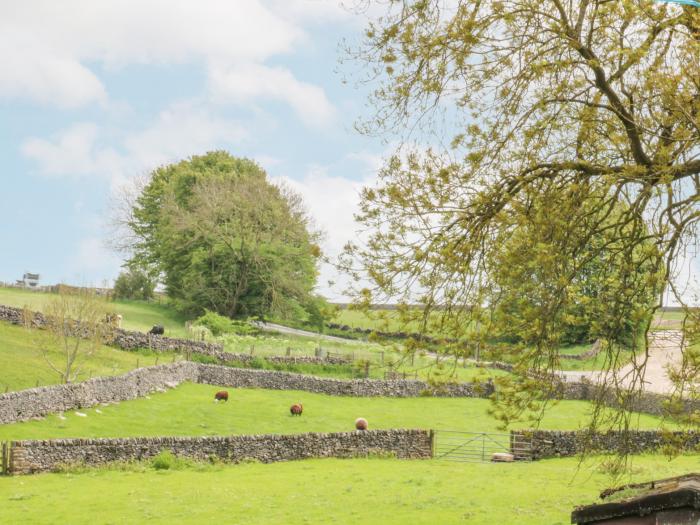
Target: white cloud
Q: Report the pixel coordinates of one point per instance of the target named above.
(332, 202)
(48, 48)
(247, 82)
(179, 131)
(71, 153)
(33, 71)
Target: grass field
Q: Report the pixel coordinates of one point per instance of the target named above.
(22, 364)
(389, 320)
(373, 491)
(137, 315)
(384, 320)
(190, 410)
(140, 315)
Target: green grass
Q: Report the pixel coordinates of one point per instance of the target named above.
(592, 363)
(384, 320)
(141, 315)
(22, 364)
(190, 410)
(371, 491)
(137, 315)
(425, 366)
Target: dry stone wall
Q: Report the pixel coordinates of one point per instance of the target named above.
(132, 340)
(28, 457)
(551, 443)
(646, 402)
(248, 378)
(38, 402)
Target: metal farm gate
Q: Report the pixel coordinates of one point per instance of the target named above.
(455, 445)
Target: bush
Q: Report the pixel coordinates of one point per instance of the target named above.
(133, 284)
(219, 324)
(166, 460)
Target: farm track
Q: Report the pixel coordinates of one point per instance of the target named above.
(272, 327)
(664, 352)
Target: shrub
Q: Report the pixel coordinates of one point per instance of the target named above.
(219, 324)
(166, 460)
(133, 284)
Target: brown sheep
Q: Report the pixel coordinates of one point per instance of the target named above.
(361, 423)
(296, 409)
(221, 396)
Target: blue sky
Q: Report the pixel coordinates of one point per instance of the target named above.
(93, 94)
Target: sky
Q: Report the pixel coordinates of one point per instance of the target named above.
(93, 94)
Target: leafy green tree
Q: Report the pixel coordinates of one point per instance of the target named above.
(134, 284)
(225, 239)
(573, 132)
(535, 258)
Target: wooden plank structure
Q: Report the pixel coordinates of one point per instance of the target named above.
(670, 501)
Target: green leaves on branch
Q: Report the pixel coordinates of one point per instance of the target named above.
(223, 238)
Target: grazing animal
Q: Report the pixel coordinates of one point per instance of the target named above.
(115, 320)
(157, 330)
(296, 409)
(361, 423)
(221, 396)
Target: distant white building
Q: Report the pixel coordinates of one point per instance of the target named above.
(29, 280)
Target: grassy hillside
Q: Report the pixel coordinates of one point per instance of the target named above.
(22, 364)
(371, 491)
(190, 410)
(141, 315)
(137, 315)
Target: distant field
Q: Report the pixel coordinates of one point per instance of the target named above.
(22, 364)
(383, 320)
(190, 410)
(141, 315)
(270, 344)
(369, 491)
(138, 315)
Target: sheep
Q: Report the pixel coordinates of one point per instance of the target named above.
(221, 396)
(114, 320)
(157, 330)
(361, 423)
(296, 409)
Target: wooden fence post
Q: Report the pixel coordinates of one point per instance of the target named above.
(4, 465)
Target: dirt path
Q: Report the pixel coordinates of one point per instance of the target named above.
(664, 350)
(272, 327)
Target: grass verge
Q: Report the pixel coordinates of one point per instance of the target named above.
(374, 491)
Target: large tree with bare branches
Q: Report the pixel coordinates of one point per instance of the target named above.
(572, 132)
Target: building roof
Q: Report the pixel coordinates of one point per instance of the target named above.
(641, 499)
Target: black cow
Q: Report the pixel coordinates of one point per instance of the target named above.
(157, 330)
